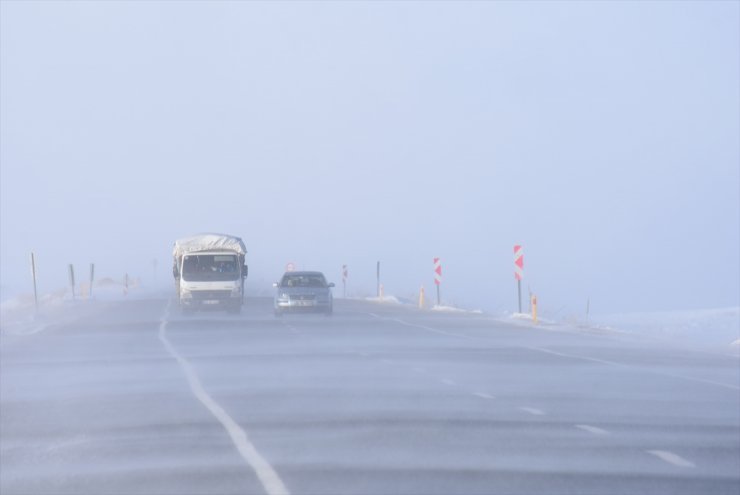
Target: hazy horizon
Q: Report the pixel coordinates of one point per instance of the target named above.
(603, 137)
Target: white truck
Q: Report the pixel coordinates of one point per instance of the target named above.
(210, 272)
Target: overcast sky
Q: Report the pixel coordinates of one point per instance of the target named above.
(603, 137)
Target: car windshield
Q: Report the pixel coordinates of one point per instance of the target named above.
(303, 280)
(210, 267)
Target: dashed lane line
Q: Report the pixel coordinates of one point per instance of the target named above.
(430, 329)
(483, 395)
(614, 363)
(269, 478)
(423, 327)
(672, 458)
(592, 429)
(571, 356)
(532, 410)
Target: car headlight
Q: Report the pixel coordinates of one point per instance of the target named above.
(283, 296)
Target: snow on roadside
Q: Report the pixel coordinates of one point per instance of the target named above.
(525, 319)
(718, 327)
(709, 329)
(384, 299)
(455, 309)
(18, 315)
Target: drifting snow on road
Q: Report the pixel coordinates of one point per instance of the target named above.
(381, 398)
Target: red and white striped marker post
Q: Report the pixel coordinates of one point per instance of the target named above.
(519, 270)
(344, 281)
(437, 276)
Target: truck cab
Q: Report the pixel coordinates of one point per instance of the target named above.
(210, 278)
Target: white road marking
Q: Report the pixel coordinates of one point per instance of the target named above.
(672, 458)
(292, 328)
(613, 363)
(532, 410)
(571, 356)
(593, 429)
(270, 480)
(72, 442)
(585, 358)
(447, 381)
(36, 329)
(483, 395)
(429, 329)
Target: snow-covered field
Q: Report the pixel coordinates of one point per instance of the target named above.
(718, 327)
(18, 315)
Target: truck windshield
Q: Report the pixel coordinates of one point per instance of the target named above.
(210, 267)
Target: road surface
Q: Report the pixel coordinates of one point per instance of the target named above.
(132, 398)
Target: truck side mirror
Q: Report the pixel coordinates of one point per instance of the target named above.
(274, 284)
(175, 272)
(331, 284)
(245, 271)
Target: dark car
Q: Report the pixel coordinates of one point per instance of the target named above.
(303, 291)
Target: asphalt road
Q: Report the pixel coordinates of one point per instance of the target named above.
(132, 398)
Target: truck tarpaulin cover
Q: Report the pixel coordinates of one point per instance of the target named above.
(209, 242)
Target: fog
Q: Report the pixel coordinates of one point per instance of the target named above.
(603, 137)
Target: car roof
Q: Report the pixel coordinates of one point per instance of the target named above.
(303, 273)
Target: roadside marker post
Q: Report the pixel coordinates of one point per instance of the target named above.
(438, 277)
(92, 279)
(534, 308)
(377, 274)
(519, 271)
(72, 280)
(421, 297)
(33, 275)
(344, 281)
